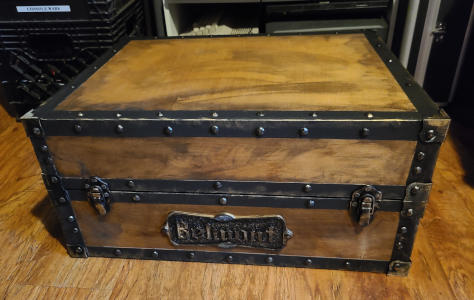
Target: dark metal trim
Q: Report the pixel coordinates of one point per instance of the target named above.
(269, 259)
(420, 99)
(233, 200)
(59, 197)
(236, 187)
(413, 209)
(274, 128)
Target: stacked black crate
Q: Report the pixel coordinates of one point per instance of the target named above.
(42, 47)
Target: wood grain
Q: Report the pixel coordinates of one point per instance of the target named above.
(36, 266)
(328, 233)
(269, 159)
(322, 72)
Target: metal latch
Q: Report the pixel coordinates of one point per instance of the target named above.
(98, 193)
(365, 201)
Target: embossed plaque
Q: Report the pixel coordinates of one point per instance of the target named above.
(227, 231)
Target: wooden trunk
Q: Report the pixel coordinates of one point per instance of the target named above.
(307, 151)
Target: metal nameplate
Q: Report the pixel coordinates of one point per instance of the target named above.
(227, 231)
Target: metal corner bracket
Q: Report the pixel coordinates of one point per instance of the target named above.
(58, 195)
(434, 130)
(399, 268)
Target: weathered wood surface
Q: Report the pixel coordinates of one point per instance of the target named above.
(323, 72)
(321, 232)
(249, 159)
(34, 264)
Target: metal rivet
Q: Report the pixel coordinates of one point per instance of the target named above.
(73, 86)
(396, 266)
(190, 255)
(62, 200)
(370, 116)
(217, 185)
(119, 128)
(106, 195)
(354, 204)
(378, 195)
(80, 115)
(399, 245)
(403, 229)
(115, 50)
(364, 132)
(54, 179)
(44, 148)
(303, 131)
(417, 170)
(214, 129)
(214, 115)
(229, 258)
(390, 60)
(131, 184)
(36, 131)
(409, 84)
(117, 252)
(95, 67)
(415, 190)
(379, 45)
(310, 204)
(259, 131)
(169, 130)
(118, 115)
(75, 230)
(260, 114)
(223, 201)
(159, 114)
(78, 250)
(136, 198)
(77, 128)
(269, 259)
(420, 156)
(87, 186)
(430, 135)
(308, 261)
(70, 219)
(410, 212)
(348, 263)
(314, 115)
(154, 254)
(49, 160)
(307, 188)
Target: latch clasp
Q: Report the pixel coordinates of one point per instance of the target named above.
(365, 201)
(99, 196)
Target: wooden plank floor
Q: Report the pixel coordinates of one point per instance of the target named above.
(34, 264)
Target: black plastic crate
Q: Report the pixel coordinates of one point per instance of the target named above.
(64, 40)
(26, 83)
(21, 10)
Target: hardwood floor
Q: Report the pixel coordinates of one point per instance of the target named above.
(34, 264)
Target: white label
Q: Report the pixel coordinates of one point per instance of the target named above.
(43, 8)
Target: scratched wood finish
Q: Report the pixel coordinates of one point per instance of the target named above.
(34, 264)
(328, 233)
(280, 160)
(322, 72)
